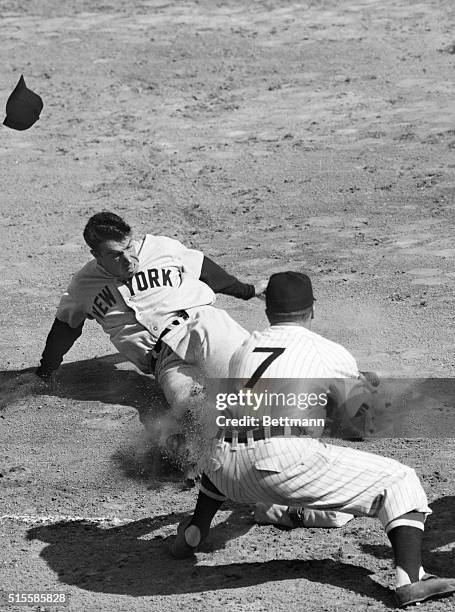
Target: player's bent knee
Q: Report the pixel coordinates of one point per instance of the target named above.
(404, 495)
(208, 488)
(410, 519)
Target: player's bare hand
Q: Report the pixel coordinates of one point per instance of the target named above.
(259, 289)
(27, 383)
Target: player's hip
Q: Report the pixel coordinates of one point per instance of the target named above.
(264, 471)
(274, 455)
(207, 339)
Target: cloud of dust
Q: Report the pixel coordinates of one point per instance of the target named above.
(182, 435)
(361, 327)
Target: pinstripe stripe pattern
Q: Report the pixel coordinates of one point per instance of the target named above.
(306, 471)
(307, 355)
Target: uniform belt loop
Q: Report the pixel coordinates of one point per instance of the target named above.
(235, 439)
(266, 433)
(250, 438)
(220, 436)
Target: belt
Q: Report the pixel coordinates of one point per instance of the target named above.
(183, 316)
(260, 433)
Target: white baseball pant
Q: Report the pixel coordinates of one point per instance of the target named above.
(201, 348)
(307, 472)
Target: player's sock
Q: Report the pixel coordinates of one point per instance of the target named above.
(208, 503)
(402, 577)
(407, 547)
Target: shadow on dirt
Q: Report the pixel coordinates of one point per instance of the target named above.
(128, 560)
(109, 379)
(439, 532)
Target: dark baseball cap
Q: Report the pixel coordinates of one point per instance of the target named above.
(288, 293)
(23, 107)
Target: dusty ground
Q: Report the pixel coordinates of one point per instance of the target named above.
(315, 135)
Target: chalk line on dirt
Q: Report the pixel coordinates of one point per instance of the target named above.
(54, 518)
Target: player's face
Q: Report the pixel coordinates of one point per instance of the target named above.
(118, 257)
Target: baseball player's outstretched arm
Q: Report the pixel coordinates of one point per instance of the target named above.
(59, 341)
(220, 281)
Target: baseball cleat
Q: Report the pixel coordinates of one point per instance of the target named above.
(187, 540)
(429, 587)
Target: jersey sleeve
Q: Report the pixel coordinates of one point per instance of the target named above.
(190, 260)
(70, 310)
(349, 365)
(348, 380)
(237, 360)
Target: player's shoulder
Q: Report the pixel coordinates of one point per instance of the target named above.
(327, 344)
(253, 339)
(159, 239)
(335, 355)
(244, 348)
(89, 273)
(299, 338)
(323, 340)
(152, 244)
(269, 335)
(258, 338)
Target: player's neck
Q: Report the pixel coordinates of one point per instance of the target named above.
(305, 324)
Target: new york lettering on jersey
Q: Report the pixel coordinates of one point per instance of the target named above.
(143, 282)
(102, 302)
(134, 312)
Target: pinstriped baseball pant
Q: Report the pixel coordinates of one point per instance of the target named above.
(307, 472)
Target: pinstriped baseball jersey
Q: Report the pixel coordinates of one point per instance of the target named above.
(306, 355)
(296, 368)
(304, 471)
(134, 312)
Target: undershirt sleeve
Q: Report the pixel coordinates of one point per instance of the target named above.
(220, 281)
(59, 341)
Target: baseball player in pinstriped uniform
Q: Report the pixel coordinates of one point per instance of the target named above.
(270, 463)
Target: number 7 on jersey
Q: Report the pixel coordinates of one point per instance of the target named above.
(274, 353)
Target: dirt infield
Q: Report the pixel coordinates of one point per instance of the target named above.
(315, 135)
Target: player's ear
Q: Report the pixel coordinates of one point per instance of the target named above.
(312, 311)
